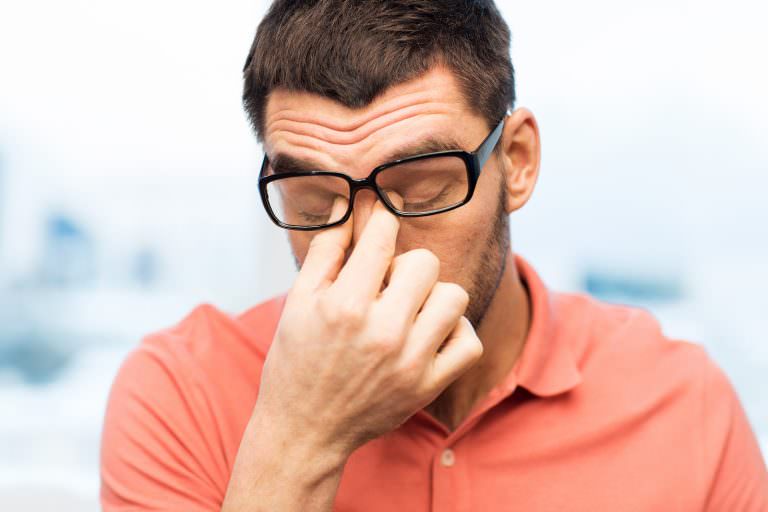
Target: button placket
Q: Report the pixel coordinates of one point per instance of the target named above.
(446, 480)
(447, 458)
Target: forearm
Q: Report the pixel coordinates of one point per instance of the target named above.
(278, 470)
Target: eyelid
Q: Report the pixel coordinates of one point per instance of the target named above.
(440, 194)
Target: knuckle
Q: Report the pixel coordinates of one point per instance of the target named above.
(418, 258)
(392, 333)
(326, 309)
(351, 312)
(474, 348)
(381, 245)
(426, 258)
(400, 260)
(411, 370)
(341, 313)
(455, 294)
(384, 343)
(328, 249)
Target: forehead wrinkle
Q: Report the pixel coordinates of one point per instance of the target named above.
(292, 143)
(325, 133)
(385, 131)
(304, 152)
(331, 156)
(357, 161)
(338, 112)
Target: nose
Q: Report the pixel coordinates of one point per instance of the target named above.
(364, 201)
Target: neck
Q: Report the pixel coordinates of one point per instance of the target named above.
(502, 331)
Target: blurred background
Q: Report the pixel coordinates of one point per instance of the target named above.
(128, 192)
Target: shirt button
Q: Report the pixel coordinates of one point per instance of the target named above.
(447, 458)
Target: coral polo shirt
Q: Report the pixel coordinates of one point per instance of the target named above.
(601, 412)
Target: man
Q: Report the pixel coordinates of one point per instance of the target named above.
(416, 363)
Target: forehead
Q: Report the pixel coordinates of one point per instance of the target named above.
(315, 128)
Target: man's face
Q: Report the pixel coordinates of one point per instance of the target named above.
(471, 241)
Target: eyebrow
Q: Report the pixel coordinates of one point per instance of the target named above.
(284, 163)
(428, 145)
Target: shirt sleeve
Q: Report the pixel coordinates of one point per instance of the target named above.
(741, 479)
(154, 453)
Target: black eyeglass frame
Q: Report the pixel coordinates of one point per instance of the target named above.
(474, 162)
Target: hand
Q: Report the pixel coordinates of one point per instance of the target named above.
(351, 361)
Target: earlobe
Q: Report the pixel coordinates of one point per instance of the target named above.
(520, 157)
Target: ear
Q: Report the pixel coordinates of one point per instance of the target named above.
(520, 155)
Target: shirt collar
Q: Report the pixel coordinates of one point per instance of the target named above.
(547, 366)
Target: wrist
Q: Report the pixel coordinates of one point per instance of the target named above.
(307, 452)
(281, 469)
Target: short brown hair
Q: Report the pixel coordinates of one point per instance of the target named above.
(352, 50)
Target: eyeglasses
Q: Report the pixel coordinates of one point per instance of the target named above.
(416, 186)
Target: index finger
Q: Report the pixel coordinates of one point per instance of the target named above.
(369, 262)
(326, 251)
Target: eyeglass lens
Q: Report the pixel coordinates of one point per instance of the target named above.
(425, 185)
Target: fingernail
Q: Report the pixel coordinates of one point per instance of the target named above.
(395, 199)
(340, 204)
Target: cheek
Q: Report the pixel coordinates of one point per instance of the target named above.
(458, 238)
(299, 244)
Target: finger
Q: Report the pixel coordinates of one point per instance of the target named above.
(412, 277)
(326, 251)
(362, 275)
(460, 352)
(437, 319)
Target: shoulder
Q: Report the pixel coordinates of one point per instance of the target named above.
(179, 404)
(668, 392)
(206, 343)
(617, 339)
(208, 352)
(630, 366)
(206, 334)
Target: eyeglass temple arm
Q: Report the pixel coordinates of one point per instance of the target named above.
(486, 148)
(264, 164)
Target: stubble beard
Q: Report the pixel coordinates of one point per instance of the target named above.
(489, 269)
(485, 280)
